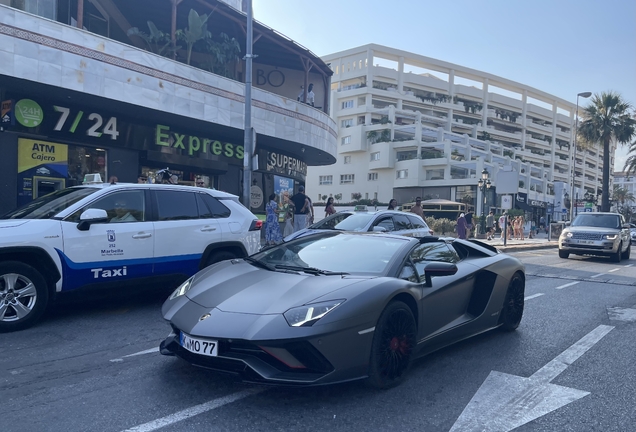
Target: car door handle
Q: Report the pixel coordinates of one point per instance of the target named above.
(208, 228)
(142, 235)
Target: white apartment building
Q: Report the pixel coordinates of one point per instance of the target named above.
(410, 125)
(627, 182)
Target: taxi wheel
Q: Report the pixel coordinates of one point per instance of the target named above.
(23, 296)
(220, 256)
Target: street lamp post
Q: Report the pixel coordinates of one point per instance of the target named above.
(484, 184)
(576, 126)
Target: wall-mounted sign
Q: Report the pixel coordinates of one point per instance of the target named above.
(506, 202)
(193, 145)
(256, 196)
(278, 163)
(7, 115)
(42, 168)
(28, 113)
(95, 126)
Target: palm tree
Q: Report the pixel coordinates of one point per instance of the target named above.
(630, 163)
(607, 118)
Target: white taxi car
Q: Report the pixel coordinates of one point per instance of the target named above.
(103, 235)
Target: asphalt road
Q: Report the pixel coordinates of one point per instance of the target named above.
(93, 364)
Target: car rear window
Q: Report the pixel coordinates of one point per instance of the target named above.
(176, 205)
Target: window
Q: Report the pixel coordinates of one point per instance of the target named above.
(346, 123)
(176, 205)
(417, 221)
(347, 178)
(347, 159)
(366, 195)
(337, 69)
(402, 174)
(43, 8)
(325, 180)
(123, 206)
(428, 252)
(375, 156)
(347, 104)
(216, 208)
(402, 222)
(346, 140)
(386, 223)
(373, 177)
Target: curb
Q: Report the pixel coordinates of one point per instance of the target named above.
(516, 248)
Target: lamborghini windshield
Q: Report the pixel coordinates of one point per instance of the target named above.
(334, 252)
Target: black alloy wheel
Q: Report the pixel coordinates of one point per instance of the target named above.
(24, 296)
(564, 254)
(512, 310)
(393, 344)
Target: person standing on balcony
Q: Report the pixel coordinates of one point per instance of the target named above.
(310, 94)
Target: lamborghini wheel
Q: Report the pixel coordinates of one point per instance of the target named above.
(512, 310)
(393, 344)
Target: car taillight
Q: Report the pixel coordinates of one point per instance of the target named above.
(256, 225)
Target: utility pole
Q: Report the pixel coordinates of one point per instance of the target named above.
(248, 145)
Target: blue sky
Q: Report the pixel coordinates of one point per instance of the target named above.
(562, 47)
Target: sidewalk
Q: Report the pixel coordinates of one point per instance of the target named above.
(540, 241)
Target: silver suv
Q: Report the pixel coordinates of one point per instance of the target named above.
(107, 236)
(604, 234)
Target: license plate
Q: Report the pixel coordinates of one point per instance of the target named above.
(207, 347)
(586, 241)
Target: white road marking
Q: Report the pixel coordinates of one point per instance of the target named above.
(629, 265)
(566, 285)
(597, 275)
(505, 402)
(148, 351)
(193, 411)
(533, 296)
(621, 314)
(613, 270)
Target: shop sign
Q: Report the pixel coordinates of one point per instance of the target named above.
(7, 116)
(93, 129)
(39, 161)
(194, 145)
(535, 203)
(282, 164)
(256, 194)
(28, 113)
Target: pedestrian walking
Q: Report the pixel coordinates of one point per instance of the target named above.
(272, 227)
(462, 227)
(329, 208)
(502, 225)
(417, 208)
(490, 225)
(301, 209)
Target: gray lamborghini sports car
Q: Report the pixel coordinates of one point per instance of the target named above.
(337, 306)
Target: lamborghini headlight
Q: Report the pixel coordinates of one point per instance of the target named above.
(182, 289)
(307, 315)
(610, 236)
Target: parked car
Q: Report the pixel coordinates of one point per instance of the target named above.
(604, 234)
(389, 221)
(104, 236)
(337, 306)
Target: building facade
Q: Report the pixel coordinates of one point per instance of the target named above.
(85, 96)
(410, 126)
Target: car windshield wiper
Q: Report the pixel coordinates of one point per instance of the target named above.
(260, 264)
(310, 270)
